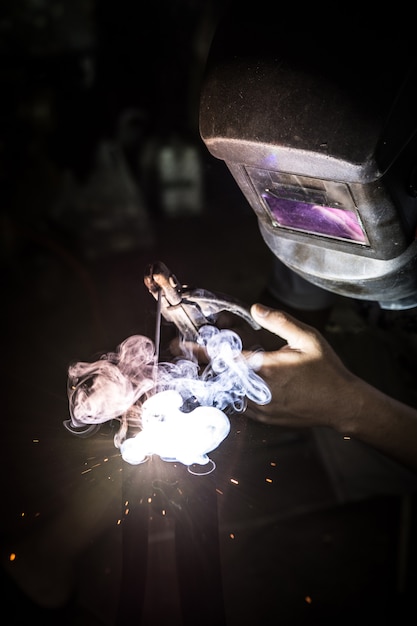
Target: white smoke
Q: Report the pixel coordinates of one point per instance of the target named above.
(172, 409)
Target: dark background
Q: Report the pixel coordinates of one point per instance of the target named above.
(102, 171)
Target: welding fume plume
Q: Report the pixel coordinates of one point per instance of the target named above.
(181, 414)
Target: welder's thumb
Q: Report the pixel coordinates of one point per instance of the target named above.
(282, 324)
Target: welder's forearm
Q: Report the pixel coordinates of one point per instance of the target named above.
(384, 423)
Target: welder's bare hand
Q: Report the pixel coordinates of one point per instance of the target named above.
(251, 339)
(310, 386)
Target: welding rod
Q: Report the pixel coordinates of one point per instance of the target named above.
(158, 325)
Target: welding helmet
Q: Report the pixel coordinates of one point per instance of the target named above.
(316, 121)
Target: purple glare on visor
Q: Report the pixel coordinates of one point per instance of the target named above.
(313, 218)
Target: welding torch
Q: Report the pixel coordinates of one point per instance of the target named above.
(186, 307)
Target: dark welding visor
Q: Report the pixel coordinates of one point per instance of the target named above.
(322, 142)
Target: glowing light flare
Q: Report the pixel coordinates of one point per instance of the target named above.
(174, 435)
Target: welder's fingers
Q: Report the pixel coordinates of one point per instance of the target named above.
(309, 384)
(298, 335)
(251, 338)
